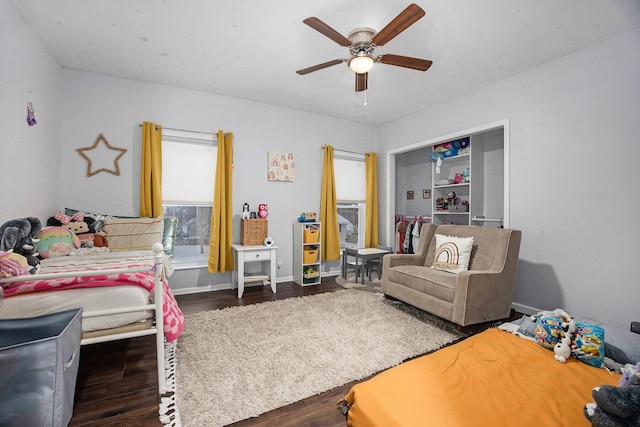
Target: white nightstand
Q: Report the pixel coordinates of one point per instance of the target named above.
(243, 254)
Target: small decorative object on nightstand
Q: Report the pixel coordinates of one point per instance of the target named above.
(254, 231)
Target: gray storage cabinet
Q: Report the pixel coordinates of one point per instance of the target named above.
(38, 368)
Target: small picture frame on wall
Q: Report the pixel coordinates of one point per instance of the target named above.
(409, 195)
(426, 194)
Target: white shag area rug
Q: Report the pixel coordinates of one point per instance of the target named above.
(239, 362)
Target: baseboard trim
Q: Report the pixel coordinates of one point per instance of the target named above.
(221, 287)
(525, 309)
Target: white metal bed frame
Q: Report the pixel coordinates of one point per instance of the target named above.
(158, 325)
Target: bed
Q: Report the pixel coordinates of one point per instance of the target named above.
(123, 294)
(497, 377)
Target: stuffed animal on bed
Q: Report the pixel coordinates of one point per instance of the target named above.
(19, 236)
(562, 350)
(12, 264)
(100, 239)
(57, 241)
(615, 406)
(79, 224)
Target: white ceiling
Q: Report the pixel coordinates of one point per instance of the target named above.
(251, 49)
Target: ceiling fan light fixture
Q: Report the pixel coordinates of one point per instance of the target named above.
(361, 63)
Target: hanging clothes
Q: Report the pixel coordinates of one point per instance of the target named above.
(407, 247)
(415, 234)
(401, 230)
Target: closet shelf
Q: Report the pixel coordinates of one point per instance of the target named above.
(450, 213)
(478, 218)
(464, 184)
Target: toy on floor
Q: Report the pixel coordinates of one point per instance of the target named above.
(615, 406)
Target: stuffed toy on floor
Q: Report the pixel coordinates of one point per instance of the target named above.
(615, 406)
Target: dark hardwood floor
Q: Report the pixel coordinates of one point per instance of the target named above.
(117, 384)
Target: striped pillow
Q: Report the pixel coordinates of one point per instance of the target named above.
(130, 234)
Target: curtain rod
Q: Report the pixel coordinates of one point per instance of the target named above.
(181, 130)
(346, 151)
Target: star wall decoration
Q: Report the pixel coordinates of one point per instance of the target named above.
(95, 145)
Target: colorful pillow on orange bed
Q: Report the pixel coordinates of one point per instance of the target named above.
(587, 345)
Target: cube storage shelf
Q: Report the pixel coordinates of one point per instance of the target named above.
(306, 253)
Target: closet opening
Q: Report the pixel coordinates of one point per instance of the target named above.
(459, 178)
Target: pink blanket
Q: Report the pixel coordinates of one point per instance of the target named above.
(172, 315)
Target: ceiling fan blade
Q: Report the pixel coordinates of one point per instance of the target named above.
(323, 28)
(406, 61)
(404, 20)
(362, 81)
(320, 66)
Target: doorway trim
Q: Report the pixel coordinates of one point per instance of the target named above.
(391, 167)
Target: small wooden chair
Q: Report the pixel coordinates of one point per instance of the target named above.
(376, 264)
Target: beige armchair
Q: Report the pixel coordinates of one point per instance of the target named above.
(481, 294)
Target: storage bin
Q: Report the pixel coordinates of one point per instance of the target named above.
(311, 274)
(310, 256)
(311, 236)
(39, 359)
(458, 208)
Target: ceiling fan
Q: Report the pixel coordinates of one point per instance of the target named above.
(362, 42)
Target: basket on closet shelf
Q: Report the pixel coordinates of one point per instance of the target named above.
(458, 208)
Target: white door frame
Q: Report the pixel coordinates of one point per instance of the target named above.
(391, 166)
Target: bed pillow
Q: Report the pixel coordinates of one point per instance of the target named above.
(587, 345)
(621, 345)
(129, 234)
(170, 234)
(452, 253)
(56, 241)
(548, 331)
(168, 237)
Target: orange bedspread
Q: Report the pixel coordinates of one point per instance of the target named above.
(491, 379)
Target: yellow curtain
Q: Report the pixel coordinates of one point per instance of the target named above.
(151, 170)
(220, 238)
(371, 212)
(329, 209)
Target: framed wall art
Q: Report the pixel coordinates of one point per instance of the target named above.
(281, 166)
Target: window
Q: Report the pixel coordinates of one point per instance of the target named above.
(188, 175)
(351, 189)
(350, 218)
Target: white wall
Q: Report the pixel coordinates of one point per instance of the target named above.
(30, 155)
(413, 173)
(574, 152)
(95, 103)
